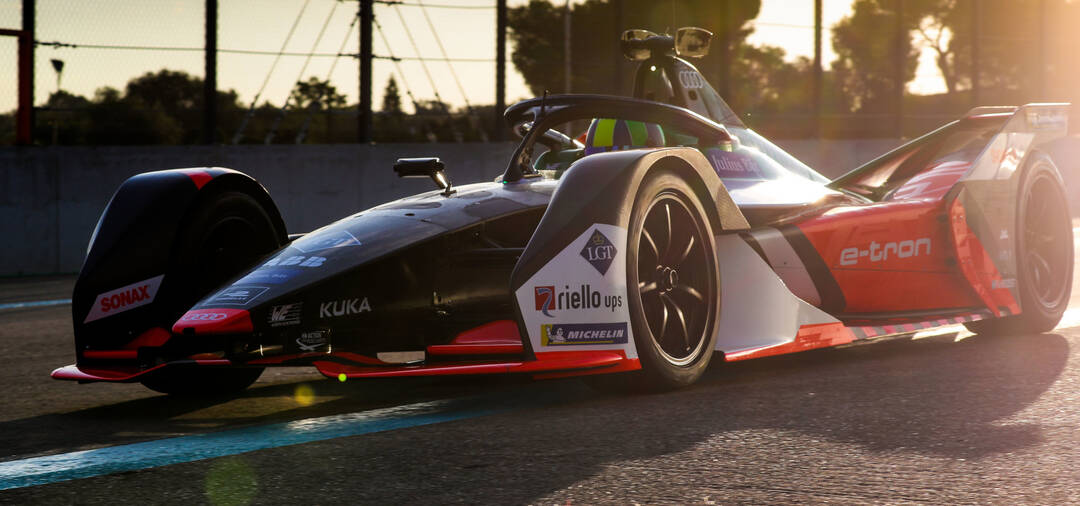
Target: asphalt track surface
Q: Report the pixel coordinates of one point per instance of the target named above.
(945, 418)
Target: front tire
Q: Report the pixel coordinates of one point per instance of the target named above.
(673, 283)
(1044, 246)
(223, 234)
(202, 382)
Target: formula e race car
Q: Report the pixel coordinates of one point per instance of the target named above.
(667, 237)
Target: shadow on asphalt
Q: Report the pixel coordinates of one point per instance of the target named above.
(928, 396)
(167, 416)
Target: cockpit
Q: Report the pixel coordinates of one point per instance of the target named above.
(673, 106)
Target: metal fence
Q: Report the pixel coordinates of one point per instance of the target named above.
(290, 71)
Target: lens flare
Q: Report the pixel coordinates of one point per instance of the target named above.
(230, 481)
(341, 377)
(304, 395)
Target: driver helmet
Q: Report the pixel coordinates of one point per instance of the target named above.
(616, 134)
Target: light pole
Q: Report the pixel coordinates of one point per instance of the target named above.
(58, 66)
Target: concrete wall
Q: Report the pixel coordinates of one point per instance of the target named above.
(50, 198)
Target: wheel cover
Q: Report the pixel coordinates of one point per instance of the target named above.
(674, 279)
(1046, 252)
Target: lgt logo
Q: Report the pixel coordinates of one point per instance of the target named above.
(599, 252)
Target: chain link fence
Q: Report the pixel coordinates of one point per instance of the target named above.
(124, 72)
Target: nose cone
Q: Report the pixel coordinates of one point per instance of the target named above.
(214, 322)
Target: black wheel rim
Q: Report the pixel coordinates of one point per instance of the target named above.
(674, 279)
(1046, 250)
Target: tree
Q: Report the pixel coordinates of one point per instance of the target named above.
(864, 42)
(940, 22)
(179, 96)
(536, 29)
(117, 120)
(316, 94)
(391, 102)
(62, 120)
(312, 96)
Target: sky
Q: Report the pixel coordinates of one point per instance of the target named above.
(262, 25)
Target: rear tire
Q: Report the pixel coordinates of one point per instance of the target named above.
(673, 283)
(223, 234)
(1044, 246)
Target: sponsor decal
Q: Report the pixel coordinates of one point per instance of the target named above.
(548, 299)
(599, 252)
(344, 307)
(124, 298)
(271, 276)
(313, 340)
(237, 295)
(564, 334)
(286, 314)
(1003, 283)
(1047, 119)
(728, 164)
(691, 80)
(203, 317)
(881, 252)
(295, 261)
(326, 240)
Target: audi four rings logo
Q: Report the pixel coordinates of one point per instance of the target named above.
(204, 317)
(690, 79)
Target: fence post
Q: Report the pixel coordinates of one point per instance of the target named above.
(976, 40)
(899, 64)
(818, 75)
(499, 130)
(24, 117)
(210, 79)
(367, 15)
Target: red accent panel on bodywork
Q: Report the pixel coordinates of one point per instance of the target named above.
(499, 337)
(626, 365)
(198, 176)
(890, 257)
(809, 337)
(977, 265)
(214, 321)
(156, 336)
(553, 361)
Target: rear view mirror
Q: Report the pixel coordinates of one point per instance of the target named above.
(633, 50)
(692, 42)
(425, 167)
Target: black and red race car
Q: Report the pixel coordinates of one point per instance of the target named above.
(672, 237)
